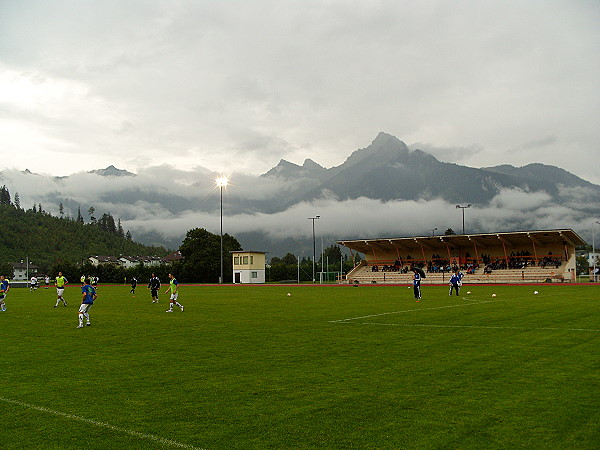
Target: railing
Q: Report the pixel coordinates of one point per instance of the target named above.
(531, 274)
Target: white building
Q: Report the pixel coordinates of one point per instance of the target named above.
(23, 271)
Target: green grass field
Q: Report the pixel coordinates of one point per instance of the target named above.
(329, 367)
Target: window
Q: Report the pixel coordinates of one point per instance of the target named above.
(251, 259)
(236, 260)
(245, 260)
(253, 274)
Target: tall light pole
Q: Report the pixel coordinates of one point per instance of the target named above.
(594, 250)
(221, 183)
(463, 214)
(314, 243)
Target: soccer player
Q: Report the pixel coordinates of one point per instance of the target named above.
(33, 284)
(154, 286)
(133, 285)
(454, 283)
(60, 289)
(4, 287)
(47, 281)
(88, 295)
(417, 284)
(174, 288)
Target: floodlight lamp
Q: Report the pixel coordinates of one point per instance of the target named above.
(222, 181)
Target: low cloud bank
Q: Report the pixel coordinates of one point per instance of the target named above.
(165, 201)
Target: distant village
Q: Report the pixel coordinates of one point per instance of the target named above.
(24, 270)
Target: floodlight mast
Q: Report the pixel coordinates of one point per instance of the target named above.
(463, 214)
(594, 275)
(221, 183)
(314, 244)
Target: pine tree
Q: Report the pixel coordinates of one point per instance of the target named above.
(91, 213)
(4, 196)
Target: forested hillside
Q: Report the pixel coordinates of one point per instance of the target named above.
(46, 239)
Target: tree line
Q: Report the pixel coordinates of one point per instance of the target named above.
(291, 268)
(45, 239)
(65, 243)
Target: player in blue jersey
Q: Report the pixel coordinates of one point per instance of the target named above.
(454, 283)
(417, 284)
(174, 288)
(88, 295)
(4, 287)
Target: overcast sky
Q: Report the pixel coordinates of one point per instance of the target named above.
(238, 85)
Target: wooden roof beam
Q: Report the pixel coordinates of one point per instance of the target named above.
(534, 239)
(478, 242)
(506, 241)
(569, 241)
(423, 244)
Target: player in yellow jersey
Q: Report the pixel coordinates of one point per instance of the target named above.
(60, 289)
(174, 288)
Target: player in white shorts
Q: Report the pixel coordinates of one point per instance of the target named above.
(174, 288)
(60, 289)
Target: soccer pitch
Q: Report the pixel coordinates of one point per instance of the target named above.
(327, 367)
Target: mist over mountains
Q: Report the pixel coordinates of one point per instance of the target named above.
(383, 190)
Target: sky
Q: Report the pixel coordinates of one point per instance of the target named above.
(235, 86)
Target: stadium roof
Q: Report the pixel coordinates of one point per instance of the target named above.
(516, 239)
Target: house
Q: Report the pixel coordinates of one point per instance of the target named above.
(248, 267)
(24, 270)
(101, 260)
(130, 261)
(173, 257)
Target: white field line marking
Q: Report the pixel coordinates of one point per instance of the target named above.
(490, 327)
(412, 310)
(137, 434)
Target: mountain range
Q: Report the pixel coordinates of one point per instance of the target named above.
(388, 170)
(384, 189)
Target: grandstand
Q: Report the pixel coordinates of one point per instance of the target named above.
(513, 257)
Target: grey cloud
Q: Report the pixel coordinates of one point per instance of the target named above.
(198, 202)
(368, 218)
(184, 82)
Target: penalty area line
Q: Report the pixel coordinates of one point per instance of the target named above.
(97, 423)
(485, 327)
(414, 310)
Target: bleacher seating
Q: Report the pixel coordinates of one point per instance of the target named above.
(363, 274)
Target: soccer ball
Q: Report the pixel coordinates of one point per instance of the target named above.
(468, 292)
(493, 295)
(535, 292)
(289, 295)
